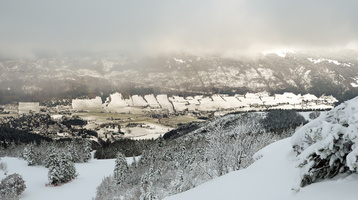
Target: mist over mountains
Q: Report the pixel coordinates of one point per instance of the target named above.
(179, 74)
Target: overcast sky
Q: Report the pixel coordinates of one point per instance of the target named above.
(60, 27)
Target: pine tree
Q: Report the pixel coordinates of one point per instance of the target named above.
(134, 163)
(87, 151)
(178, 182)
(160, 141)
(73, 155)
(68, 168)
(147, 190)
(50, 159)
(54, 170)
(61, 169)
(121, 169)
(30, 155)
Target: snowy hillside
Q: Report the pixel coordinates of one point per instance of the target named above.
(272, 177)
(318, 162)
(83, 187)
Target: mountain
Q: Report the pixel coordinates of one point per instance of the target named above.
(180, 74)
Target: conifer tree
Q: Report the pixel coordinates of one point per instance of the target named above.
(134, 163)
(51, 157)
(147, 190)
(73, 155)
(54, 170)
(61, 169)
(121, 169)
(30, 155)
(87, 151)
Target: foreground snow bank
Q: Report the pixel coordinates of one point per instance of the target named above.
(271, 178)
(83, 187)
(327, 146)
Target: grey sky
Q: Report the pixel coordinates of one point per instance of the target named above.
(57, 27)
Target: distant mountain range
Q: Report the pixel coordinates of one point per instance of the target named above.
(180, 74)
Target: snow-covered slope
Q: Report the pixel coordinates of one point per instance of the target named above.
(272, 177)
(83, 187)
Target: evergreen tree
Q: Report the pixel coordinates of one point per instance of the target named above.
(73, 155)
(30, 155)
(147, 190)
(54, 170)
(87, 151)
(68, 168)
(51, 156)
(61, 169)
(134, 163)
(121, 169)
(160, 141)
(178, 182)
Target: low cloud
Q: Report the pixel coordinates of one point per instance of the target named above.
(54, 28)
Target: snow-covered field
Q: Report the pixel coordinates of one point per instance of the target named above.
(250, 101)
(81, 188)
(148, 131)
(272, 177)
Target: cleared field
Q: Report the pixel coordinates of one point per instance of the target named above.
(149, 128)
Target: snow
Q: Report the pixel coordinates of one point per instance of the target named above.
(279, 52)
(55, 117)
(319, 60)
(233, 102)
(146, 131)
(179, 60)
(26, 107)
(215, 102)
(116, 103)
(164, 102)
(179, 103)
(83, 187)
(152, 101)
(321, 135)
(139, 101)
(272, 177)
(355, 83)
(87, 104)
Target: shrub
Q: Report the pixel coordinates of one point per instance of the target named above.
(12, 186)
(328, 145)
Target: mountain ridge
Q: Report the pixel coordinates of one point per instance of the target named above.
(183, 74)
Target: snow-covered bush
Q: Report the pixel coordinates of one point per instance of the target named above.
(12, 186)
(328, 145)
